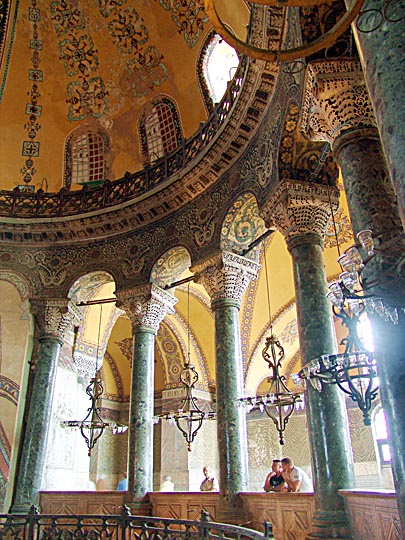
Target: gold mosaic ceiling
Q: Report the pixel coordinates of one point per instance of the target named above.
(71, 63)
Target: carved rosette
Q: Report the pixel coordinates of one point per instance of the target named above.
(53, 316)
(226, 276)
(146, 305)
(297, 209)
(335, 100)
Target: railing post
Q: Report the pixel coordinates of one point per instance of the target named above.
(123, 520)
(268, 530)
(32, 518)
(204, 523)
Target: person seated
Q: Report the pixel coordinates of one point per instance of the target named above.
(274, 480)
(209, 483)
(297, 479)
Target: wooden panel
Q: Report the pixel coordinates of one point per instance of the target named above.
(184, 505)
(81, 502)
(373, 515)
(290, 513)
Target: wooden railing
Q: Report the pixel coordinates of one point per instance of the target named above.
(18, 203)
(34, 526)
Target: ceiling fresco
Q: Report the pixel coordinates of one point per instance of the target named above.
(75, 62)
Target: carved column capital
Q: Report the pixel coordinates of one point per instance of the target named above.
(53, 316)
(226, 276)
(335, 100)
(300, 209)
(146, 305)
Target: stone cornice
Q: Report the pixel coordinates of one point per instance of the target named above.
(146, 305)
(53, 316)
(226, 276)
(297, 209)
(335, 99)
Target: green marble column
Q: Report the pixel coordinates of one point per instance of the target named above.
(140, 451)
(225, 278)
(338, 109)
(52, 317)
(332, 461)
(301, 212)
(373, 205)
(381, 46)
(146, 305)
(232, 433)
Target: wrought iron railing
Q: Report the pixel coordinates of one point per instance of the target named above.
(34, 526)
(18, 203)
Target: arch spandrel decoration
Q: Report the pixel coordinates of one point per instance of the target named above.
(170, 266)
(242, 225)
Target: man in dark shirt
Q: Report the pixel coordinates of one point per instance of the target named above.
(274, 480)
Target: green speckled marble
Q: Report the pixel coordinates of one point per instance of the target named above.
(372, 204)
(382, 50)
(31, 462)
(332, 460)
(232, 431)
(140, 442)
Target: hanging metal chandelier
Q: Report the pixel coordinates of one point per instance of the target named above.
(279, 402)
(188, 418)
(351, 293)
(93, 425)
(355, 370)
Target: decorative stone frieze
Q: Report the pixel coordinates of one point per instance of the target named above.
(301, 208)
(226, 275)
(146, 305)
(53, 316)
(335, 100)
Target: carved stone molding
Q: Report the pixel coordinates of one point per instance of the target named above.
(230, 141)
(335, 100)
(298, 209)
(146, 305)
(226, 276)
(53, 316)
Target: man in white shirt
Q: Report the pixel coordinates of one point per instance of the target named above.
(296, 478)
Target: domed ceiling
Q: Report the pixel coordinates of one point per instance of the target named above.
(67, 64)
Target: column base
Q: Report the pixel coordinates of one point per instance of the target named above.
(230, 510)
(328, 525)
(138, 507)
(23, 508)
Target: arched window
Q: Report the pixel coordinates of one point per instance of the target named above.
(381, 437)
(85, 158)
(217, 65)
(160, 131)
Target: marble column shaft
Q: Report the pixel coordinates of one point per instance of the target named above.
(225, 278)
(146, 306)
(232, 431)
(372, 204)
(338, 109)
(52, 318)
(301, 212)
(331, 453)
(381, 47)
(140, 450)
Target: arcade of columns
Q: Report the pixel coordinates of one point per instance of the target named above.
(356, 107)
